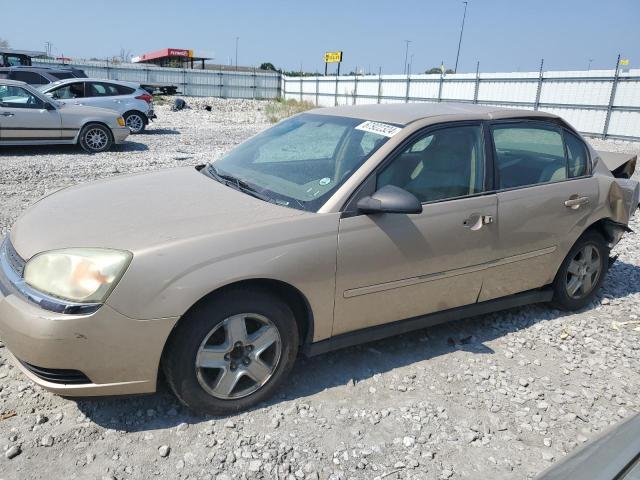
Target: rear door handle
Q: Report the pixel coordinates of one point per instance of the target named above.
(575, 202)
(7, 114)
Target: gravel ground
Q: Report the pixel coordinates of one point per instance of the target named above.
(500, 396)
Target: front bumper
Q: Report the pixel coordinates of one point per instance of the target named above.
(119, 134)
(114, 353)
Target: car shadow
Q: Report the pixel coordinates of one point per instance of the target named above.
(160, 131)
(31, 150)
(162, 410)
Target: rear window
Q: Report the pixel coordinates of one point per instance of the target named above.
(122, 90)
(62, 75)
(29, 77)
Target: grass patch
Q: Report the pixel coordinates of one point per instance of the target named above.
(281, 109)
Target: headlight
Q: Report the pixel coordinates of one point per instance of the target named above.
(121, 122)
(85, 275)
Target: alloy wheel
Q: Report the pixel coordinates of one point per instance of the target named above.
(583, 272)
(135, 123)
(96, 139)
(238, 356)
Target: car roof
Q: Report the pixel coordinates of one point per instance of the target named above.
(6, 81)
(405, 113)
(102, 80)
(42, 69)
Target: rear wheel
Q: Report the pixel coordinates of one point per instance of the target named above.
(582, 273)
(95, 138)
(231, 352)
(136, 121)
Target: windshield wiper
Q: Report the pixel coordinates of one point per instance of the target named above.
(236, 182)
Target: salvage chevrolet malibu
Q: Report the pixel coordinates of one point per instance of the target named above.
(334, 227)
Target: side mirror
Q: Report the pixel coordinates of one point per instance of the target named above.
(390, 199)
(49, 106)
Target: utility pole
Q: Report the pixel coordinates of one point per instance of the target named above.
(464, 15)
(48, 47)
(410, 64)
(406, 53)
(589, 66)
(237, 38)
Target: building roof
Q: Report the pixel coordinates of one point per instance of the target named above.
(405, 113)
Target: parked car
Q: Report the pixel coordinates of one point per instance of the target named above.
(40, 75)
(614, 455)
(27, 117)
(334, 227)
(128, 99)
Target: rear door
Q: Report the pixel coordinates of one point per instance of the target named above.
(102, 94)
(24, 118)
(397, 266)
(546, 195)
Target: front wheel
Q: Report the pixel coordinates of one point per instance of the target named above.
(135, 121)
(95, 138)
(231, 352)
(582, 273)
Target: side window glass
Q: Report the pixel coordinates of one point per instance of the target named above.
(96, 90)
(18, 97)
(528, 155)
(446, 163)
(577, 156)
(29, 77)
(74, 90)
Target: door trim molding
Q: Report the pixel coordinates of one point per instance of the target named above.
(379, 332)
(407, 282)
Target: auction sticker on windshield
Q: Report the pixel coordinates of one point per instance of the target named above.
(383, 129)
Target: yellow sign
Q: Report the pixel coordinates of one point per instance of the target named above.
(624, 61)
(332, 57)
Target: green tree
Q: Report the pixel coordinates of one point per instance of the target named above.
(268, 66)
(438, 70)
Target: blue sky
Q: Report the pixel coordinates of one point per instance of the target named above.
(504, 35)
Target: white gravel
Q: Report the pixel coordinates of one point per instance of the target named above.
(499, 396)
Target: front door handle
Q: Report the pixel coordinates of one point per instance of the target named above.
(575, 202)
(7, 114)
(476, 221)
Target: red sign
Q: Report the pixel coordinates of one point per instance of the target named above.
(176, 52)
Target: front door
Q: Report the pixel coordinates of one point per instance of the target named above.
(396, 266)
(546, 197)
(23, 116)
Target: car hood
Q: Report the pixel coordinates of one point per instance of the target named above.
(136, 212)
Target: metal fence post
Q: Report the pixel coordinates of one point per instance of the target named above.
(440, 87)
(336, 94)
(406, 93)
(317, 91)
(355, 88)
(539, 90)
(612, 98)
(255, 83)
(282, 85)
(379, 84)
(300, 87)
(477, 87)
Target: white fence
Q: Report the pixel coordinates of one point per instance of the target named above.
(603, 103)
(199, 83)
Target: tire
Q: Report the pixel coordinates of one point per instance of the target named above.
(203, 349)
(136, 121)
(95, 138)
(585, 267)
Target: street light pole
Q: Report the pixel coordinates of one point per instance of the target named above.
(464, 15)
(237, 38)
(406, 53)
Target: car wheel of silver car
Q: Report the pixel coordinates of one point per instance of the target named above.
(231, 351)
(95, 138)
(582, 272)
(135, 121)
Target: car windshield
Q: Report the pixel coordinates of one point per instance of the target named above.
(301, 161)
